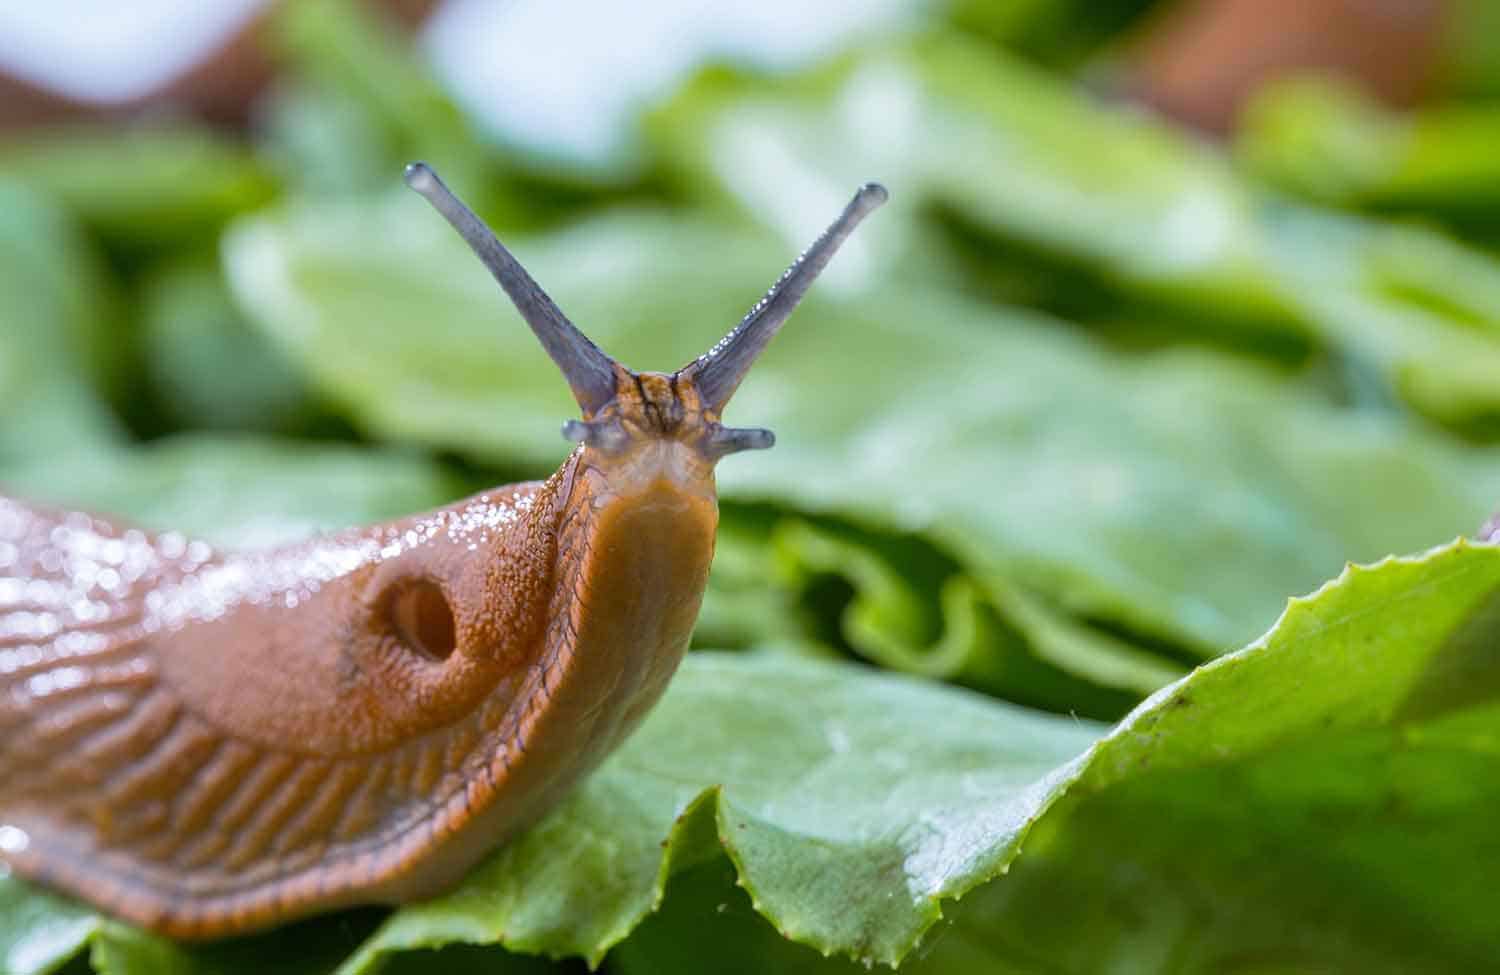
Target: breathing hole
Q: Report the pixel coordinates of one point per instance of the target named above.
(422, 618)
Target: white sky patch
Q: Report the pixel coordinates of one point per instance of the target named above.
(568, 82)
(106, 51)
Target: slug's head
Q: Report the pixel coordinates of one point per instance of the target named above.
(650, 421)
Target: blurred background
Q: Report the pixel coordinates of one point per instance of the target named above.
(1177, 306)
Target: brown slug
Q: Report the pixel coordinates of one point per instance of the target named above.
(207, 743)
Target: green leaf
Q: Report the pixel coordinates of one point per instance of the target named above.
(1317, 801)
(1006, 642)
(205, 365)
(40, 932)
(55, 347)
(364, 90)
(1164, 234)
(1471, 49)
(1401, 303)
(864, 801)
(867, 800)
(707, 914)
(1009, 153)
(239, 491)
(145, 188)
(1326, 140)
(743, 605)
(407, 331)
(1057, 32)
(1111, 485)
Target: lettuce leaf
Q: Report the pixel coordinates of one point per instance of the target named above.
(1177, 496)
(1318, 800)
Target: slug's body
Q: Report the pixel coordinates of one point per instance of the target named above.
(209, 743)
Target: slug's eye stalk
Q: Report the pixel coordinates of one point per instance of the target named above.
(718, 372)
(589, 372)
(622, 407)
(731, 440)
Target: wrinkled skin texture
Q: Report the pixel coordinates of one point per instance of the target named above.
(207, 744)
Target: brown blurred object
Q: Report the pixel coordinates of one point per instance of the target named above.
(219, 88)
(1203, 59)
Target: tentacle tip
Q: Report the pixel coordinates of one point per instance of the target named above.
(576, 431)
(759, 439)
(872, 195)
(732, 440)
(420, 177)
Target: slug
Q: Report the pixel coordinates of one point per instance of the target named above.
(208, 743)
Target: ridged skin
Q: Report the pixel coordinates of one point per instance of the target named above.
(206, 744)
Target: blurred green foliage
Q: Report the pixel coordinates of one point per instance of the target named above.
(1076, 412)
(1325, 140)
